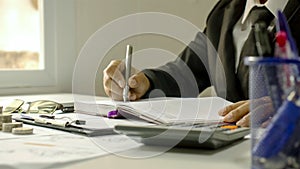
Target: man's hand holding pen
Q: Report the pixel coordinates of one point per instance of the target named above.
(122, 82)
(114, 81)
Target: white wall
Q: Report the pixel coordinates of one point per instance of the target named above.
(74, 21)
(91, 15)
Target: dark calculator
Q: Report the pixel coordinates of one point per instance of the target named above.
(207, 136)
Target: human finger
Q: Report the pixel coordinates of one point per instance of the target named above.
(139, 84)
(231, 107)
(113, 87)
(237, 113)
(262, 113)
(114, 71)
(116, 96)
(245, 121)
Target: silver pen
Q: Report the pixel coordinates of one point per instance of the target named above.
(129, 50)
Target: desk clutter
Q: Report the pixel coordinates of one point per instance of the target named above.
(40, 113)
(56, 144)
(157, 112)
(7, 125)
(37, 145)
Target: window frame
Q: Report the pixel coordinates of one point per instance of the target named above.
(49, 79)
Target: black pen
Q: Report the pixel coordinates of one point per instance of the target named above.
(263, 47)
(262, 40)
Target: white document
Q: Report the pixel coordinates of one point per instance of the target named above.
(57, 149)
(162, 110)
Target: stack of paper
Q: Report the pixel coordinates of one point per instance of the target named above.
(161, 110)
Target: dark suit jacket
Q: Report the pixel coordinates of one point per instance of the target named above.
(197, 66)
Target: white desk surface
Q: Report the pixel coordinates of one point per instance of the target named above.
(235, 156)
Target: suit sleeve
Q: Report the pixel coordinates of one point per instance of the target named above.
(184, 77)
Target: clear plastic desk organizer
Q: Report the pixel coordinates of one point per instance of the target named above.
(274, 91)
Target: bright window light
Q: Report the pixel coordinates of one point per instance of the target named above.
(20, 35)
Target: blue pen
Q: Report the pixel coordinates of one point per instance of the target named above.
(293, 146)
(282, 25)
(286, 48)
(280, 130)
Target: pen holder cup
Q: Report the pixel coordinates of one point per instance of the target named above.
(275, 112)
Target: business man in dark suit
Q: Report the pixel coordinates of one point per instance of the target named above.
(228, 29)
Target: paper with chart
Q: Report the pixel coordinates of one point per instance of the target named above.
(56, 148)
(49, 148)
